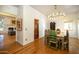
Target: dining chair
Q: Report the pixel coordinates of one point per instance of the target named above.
(46, 36)
(65, 44)
(53, 43)
(58, 31)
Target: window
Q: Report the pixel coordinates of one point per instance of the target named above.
(1, 24)
(68, 26)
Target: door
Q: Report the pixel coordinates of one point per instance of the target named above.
(36, 29)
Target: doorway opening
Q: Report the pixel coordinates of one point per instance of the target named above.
(7, 31)
(36, 28)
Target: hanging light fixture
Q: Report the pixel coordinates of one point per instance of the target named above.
(56, 13)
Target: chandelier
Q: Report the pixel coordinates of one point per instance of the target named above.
(56, 13)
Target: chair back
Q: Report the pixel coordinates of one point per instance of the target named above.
(52, 34)
(46, 32)
(66, 38)
(58, 31)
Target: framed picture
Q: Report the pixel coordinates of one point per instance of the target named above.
(14, 22)
(19, 24)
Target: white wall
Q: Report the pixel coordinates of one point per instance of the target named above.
(29, 14)
(78, 29)
(20, 33)
(59, 23)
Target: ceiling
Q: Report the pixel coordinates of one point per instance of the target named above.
(67, 9)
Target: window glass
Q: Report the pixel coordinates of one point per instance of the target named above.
(1, 24)
(68, 26)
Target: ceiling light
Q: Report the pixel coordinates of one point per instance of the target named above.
(56, 13)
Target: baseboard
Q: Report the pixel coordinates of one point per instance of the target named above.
(41, 37)
(73, 37)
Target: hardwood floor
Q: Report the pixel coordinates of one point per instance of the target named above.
(39, 47)
(74, 46)
(6, 41)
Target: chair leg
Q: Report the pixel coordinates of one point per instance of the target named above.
(56, 46)
(62, 46)
(65, 46)
(49, 44)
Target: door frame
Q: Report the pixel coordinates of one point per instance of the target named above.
(34, 28)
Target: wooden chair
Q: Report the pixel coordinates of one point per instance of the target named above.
(53, 43)
(46, 37)
(58, 31)
(65, 44)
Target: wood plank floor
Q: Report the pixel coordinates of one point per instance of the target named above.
(6, 41)
(39, 47)
(74, 46)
